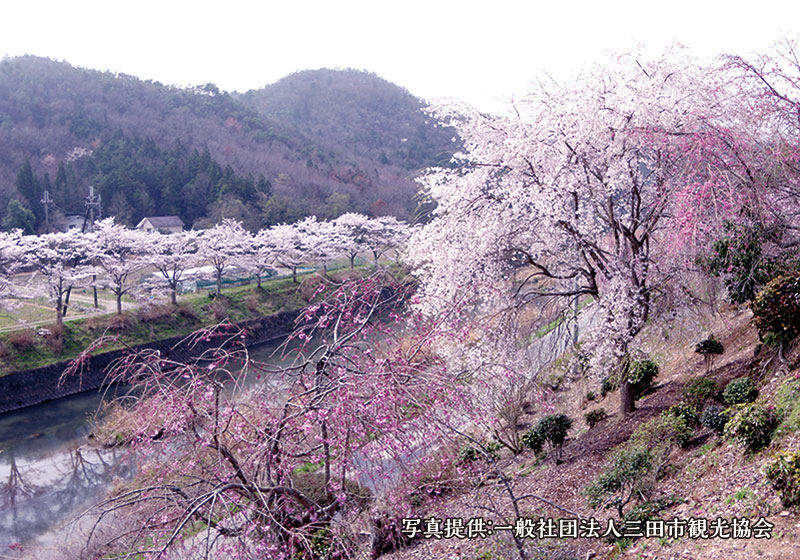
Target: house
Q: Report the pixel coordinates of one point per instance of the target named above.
(161, 224)
(69, 222)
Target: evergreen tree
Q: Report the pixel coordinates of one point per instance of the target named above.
(29, 187)
(19, 217)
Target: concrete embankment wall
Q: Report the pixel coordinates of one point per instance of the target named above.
(38, 385)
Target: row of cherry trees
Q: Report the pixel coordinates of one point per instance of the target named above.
(115, 257)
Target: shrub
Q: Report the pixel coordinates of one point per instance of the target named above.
(708, 348)
(594, 417)
(714, 418)
(187, 312)
(738, 258)
(787, 399)
(487, 451)
(492, 447)
(220, 310)
(625, 476)
(635, 465)
(698, 391)
(661, 434)
(22, 339)
(641, 375)
(533, 439)
(684, 412)
(252, 301)
(55, 338)
(469, 453)
(119, 322)
(311, 286)
(607, 385)
(784, 474)
(435, 475)
(776, 309)
(590, 396)
(552, 429)
(739, 391)
(752, 425)
(153, 313)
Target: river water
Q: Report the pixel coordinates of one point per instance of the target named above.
(49, 473)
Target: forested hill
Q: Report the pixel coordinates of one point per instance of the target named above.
(322, 142)
(358, 111)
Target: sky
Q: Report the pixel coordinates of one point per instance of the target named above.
(481, 52)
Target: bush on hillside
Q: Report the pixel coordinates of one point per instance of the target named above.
(533, 439)
(776, 310)
(625, 477)
(660, 435)
(698, 391)
(709, 348)
(783, 473)
(22, 339)
(634, 466)
(684, 412)
(607, 385)
(487, 451)
(740, 391)
(787, 400)
(714, 418)
(739, 260)
(594, 417)
(752, 425)
(551, 429)
(641, 375)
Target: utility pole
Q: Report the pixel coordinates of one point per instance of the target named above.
(94, 208)
(93, 203)
(47, 201)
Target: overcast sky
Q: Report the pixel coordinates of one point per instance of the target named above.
(482, 52)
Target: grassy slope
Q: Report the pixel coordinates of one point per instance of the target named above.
(152, 323)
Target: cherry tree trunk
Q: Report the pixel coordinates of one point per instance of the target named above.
(59, 312)
(626, 400)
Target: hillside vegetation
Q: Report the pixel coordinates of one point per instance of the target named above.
(202, 153)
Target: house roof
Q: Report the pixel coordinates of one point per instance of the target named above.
(162, 221)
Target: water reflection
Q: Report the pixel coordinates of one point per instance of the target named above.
(45, 474)
(48, 471)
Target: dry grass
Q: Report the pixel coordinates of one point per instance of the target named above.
(22, 340)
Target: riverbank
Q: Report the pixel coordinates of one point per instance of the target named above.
(38, 385)
(31, 363)
(31, 348)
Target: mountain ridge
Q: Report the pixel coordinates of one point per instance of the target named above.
(61, 121)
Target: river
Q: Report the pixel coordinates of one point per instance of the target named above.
(49, 473)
